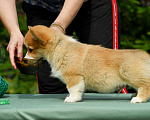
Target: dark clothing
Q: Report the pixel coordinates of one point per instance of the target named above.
(96, 23)
(51, 5)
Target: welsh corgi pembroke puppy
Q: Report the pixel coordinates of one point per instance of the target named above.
(89, 67)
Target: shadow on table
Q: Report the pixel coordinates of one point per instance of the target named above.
(108, 97)
(5, 96)
(111, 97)
(41, 96)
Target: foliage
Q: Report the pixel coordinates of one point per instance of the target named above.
(135, 33)
(17, 82)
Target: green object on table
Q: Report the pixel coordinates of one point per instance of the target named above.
(3, 86)
(4, 102)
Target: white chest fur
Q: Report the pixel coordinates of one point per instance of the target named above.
(57, 74)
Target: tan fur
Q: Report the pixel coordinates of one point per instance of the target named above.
(102, 69)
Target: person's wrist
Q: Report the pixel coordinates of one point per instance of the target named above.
(56, 25)
(56, 29)
(15, 31)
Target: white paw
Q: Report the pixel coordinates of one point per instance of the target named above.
(72, 99)
(136, 100)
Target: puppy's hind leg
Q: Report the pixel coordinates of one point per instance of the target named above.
(75, 86)
(142, 95)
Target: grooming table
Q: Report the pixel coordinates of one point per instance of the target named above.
(93, 107)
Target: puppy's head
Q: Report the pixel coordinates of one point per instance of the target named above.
(39, 40)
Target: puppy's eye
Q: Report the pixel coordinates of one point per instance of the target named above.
(30, 50)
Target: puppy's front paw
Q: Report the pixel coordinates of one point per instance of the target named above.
(72, 99)
(136, 100)
(69, 100)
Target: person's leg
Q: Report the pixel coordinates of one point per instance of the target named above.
(95, 23)
(40, 16)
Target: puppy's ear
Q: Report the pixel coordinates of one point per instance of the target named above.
(40, 33)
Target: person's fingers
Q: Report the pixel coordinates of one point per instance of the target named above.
(15, 48)
(11, 51)
(20, 50)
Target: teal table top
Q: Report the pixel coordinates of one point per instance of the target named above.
(94, 106)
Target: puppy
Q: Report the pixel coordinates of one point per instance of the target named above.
(93, 67)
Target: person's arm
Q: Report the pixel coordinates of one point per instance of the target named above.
(8, 16)
(68, 13)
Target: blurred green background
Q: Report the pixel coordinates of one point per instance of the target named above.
(135, 34)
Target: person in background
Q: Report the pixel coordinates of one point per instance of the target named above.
(94, 22)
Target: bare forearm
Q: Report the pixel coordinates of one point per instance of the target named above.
(69, 11)
(8, 15)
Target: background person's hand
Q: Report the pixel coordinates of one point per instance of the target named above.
(15, 47)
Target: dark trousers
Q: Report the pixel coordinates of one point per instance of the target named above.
(94, 24)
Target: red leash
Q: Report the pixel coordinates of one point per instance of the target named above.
(124, 90)
(115, 31)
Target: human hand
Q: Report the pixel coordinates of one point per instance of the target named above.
(58, 27)
(15, 47)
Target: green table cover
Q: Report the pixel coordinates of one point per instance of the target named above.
(93, 107)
